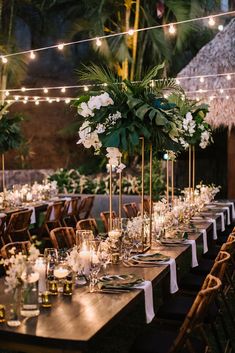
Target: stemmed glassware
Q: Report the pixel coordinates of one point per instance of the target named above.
(95, 264)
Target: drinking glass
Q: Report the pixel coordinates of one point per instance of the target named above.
(83, 237)
(104, 255)
(51, 258)
(95, 264)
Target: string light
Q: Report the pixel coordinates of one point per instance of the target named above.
(131, 32)
(202, 79)
(98, 42)
(57, 100)
(220, 28)
(63, 90)
(228, 77)
(172, 29)
(86, 88)
(45, 90)
(211, 22)
(32, 55)
(7, 93)
(221, 90)
(67, 100)
(4, 59)
(37, 102)
(23, 89)
(60, 46)
(16, 98)
(227, 97)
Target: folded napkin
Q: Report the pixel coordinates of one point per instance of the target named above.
(204, 237)
(192, 242)
(228, 203)
(52, 215)
(221, 214)
(173, 275)
(228, 214)
(33, 215)
(148, 298)
(213, 221)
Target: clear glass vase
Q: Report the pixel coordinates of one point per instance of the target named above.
(13, 310)
(29, 292)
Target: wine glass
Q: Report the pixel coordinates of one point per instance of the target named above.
(104, 255)
(51, 258)
(95, 264)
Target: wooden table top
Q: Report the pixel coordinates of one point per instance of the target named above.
(72, 322)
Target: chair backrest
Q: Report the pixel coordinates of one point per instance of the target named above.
(105, 217)
(130, 209)
(229, 246)
(197, 312)
(54, 212)
(88, 224)
(71, 207)
(63, 237)
(19, 246)
(18, 226)
(85, 207)
(219, 267)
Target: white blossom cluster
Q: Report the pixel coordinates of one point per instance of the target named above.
(95, 102)
(205, 139)
(134, 225)
(114, 157)
(16, 266)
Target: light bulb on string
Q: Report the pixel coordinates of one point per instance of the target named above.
(227, 97)
(197, 99)
(45, 90)
(24, 101)
(50, 101)
(211, 22)
(7, 93)
(98, 42)
(16, 98)
(61, 46)
(220, 28)
(47, 99)
(32, 55)
(57, 100)
(86, 88)
(4, 59)
(105, 84)
(221, 90)
(37, 102)
(35, 98)
(228, 77)
(67, 100)
(131, 32)
(211, 98)
(8, 101)
(23, 89)
(172, 29)
(201, 79)
(63, 90)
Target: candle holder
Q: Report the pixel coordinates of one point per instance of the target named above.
(52, 286)
(46, 302)
(2, 314)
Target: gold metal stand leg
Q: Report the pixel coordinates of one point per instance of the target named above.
(167, 180)
(110, 197)
(150, 191)
(172, 183)
(190, 170)
(142, 177)
(194, 165)
(120, 197)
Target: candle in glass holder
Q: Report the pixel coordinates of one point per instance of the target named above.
(40, 267)
(29, 197)
(61, 272)
(2, 313)
(46, 302)
(84, 260)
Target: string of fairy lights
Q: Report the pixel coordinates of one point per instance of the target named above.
(12, 95)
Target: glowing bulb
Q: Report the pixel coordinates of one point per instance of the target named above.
(50, 101)
(227, 97)
(47, 99)
(63, 89)
(24, 101)
(32, 55)
(37, 102)
(98, 42)
(35, 98)
(26, 98)
(4, 59)
(67, 100)
(211, 22)
(23, 89)
(220, 28)
(197, 99)
(105, 84)
(201, 79)
(211, 98)
(177, 81)
(221, 90)
(172, 29)
(57, 100)
(131, 32)
(86, 88)
(16, 98)
(8, 101)
(61, 46)
(45, 90)
(7, 93)
(200, 90)
(228, 77)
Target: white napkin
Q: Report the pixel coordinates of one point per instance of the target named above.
(229, 203)
(221, 214)
(228, 214)
(173, 275)
(213, 221)
(52, 215)
(204, 237)
(33, 215)
(192, 242)
(148, 299)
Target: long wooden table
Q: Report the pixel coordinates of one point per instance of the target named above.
(72, 324)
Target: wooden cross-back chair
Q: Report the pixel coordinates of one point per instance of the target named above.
(105, 217)
(3, 218)
(63, 237)
(70, 212)
(52, 218)
(130, 210)
(160, 339)
(19, 246)
(85, 207)
(18, 227)
(88, 224)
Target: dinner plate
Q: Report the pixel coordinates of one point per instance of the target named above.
(166, 241)
(156, 257)
(120, 281)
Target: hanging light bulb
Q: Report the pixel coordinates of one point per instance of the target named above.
(221, 90)
(61, 46)
(7, 93)
(16, 98)
(57, 100)
(24, 101)
(201, 79)
(45, 90)
(131, 32)
(37, 102)
(32, 55)
(200, 90)
(47, 99)
(98, 42)
(23, 89)
(26, 98)
(228, 77)
(172, 29)
(4, 59)
(211, 22)
(50, 101)
(211, 98)
(105, 84)
(8, 101)
(63, 90)
(67, 100)
(220, 28)
(227, 97)
(86, 88)
(197, 99)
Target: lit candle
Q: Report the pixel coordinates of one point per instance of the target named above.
(61, 272)
(84, 260)
(40, 267)
(29, 196)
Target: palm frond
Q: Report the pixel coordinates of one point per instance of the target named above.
(98, 74)
(151, 75)
(167, 84)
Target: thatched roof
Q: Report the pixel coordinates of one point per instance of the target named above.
(216, 57)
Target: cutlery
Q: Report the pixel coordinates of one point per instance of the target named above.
(112, 291)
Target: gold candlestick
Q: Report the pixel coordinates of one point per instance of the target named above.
(167, 180)
(194, 162)
(150, 191)
(190, 170)
(120, 196)
(110, 197)
(172, 182)
(142, 177)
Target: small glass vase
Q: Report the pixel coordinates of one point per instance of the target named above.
(29, 292)
(13, 312)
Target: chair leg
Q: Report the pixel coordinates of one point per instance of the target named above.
(216, 337)
(226, 306)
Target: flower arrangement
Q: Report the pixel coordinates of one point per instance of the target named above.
(126, 111)
(194, 129)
